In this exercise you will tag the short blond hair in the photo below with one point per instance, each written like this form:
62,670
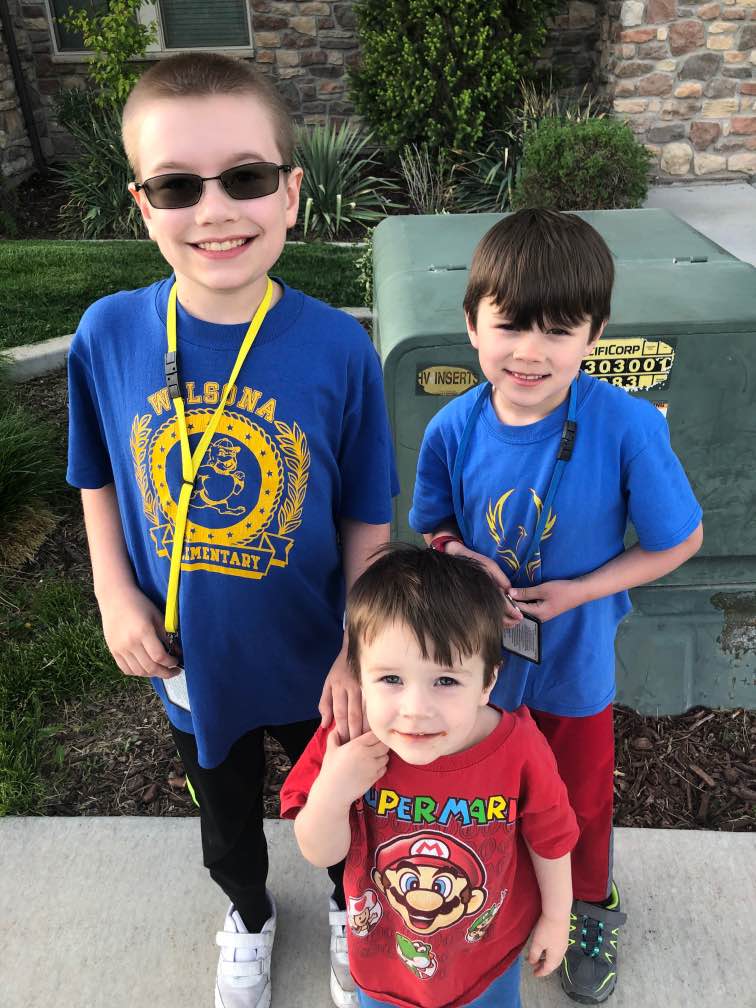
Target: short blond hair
198,75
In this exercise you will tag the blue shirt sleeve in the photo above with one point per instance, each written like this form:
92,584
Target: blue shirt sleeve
432,503
661,504
366,456
88,461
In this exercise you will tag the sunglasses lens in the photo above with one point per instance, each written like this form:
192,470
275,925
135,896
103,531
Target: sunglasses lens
250,181
171,192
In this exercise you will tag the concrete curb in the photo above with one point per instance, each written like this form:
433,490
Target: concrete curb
38,359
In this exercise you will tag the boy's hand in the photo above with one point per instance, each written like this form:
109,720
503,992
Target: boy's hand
134,632
550,599
351,768
548,944
341,699
512,613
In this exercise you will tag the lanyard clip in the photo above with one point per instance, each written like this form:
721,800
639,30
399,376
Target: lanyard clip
568,441
172,643
171,374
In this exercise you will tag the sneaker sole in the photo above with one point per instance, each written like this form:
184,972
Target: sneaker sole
264,1001
580,999
340,997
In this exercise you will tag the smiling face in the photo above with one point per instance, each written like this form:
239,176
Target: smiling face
417,708
220,249
530,370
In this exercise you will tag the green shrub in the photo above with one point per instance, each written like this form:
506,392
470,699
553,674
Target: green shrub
98,204
442,72
338,193
115,37
592,165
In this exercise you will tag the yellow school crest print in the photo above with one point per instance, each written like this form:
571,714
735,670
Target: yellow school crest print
248,493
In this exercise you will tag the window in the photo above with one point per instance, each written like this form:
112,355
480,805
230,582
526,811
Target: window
181,24
195,24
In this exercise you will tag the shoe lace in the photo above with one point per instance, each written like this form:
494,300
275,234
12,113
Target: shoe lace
591,935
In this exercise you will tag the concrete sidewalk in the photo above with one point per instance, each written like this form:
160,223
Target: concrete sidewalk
119,913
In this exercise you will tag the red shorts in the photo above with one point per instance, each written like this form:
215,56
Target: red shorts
584,751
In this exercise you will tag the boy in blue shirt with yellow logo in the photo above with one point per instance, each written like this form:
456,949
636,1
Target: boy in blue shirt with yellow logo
536,474
235,476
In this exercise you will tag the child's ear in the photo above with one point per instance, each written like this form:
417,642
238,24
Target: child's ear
471,333
293,186
488,690
594,339
140,198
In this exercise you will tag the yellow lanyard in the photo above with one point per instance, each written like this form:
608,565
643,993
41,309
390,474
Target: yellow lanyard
190,463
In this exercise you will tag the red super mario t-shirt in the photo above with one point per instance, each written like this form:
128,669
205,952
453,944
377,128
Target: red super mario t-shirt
441,894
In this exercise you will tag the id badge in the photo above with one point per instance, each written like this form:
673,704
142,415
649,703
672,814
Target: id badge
524,638
176,691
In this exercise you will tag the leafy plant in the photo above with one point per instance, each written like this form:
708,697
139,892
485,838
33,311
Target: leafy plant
338,193
485,178
429,178
596,164
116,37
98,203
540,101
441,72
364,265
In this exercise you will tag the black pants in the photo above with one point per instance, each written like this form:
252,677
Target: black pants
230,798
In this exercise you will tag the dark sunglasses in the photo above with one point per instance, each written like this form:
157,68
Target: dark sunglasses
178,190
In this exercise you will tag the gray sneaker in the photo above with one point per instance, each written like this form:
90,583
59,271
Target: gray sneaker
589,968
343,992
243,977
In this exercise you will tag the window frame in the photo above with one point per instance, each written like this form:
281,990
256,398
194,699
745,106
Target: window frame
148,14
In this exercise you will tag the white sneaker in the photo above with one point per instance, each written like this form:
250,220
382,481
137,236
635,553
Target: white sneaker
243,978
342,984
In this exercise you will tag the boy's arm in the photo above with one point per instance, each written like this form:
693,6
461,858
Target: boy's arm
322,827
636,566
341,699
132,625
550,935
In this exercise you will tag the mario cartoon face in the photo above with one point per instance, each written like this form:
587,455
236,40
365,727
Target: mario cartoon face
430,879
363,913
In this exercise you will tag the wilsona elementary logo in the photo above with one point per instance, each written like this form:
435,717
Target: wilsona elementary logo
240,520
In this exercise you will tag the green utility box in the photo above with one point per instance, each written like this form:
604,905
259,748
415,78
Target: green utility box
683,335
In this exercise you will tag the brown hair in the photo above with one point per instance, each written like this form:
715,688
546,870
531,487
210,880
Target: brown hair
450,603
545,267
198,75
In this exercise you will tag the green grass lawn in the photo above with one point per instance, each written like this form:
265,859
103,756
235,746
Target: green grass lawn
46,285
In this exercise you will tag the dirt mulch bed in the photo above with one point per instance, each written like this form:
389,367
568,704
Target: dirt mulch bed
116,756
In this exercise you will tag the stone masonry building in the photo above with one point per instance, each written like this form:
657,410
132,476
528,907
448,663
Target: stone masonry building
682,76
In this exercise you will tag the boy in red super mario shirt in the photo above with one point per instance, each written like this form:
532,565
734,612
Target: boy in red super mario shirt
453,819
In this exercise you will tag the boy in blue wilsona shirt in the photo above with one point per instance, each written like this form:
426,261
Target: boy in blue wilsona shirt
235,477
536,474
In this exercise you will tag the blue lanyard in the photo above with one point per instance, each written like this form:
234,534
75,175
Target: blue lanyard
564,453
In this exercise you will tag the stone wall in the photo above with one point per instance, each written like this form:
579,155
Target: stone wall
683,78
307,48
16,157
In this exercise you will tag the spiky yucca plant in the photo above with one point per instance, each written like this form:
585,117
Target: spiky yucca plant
338,190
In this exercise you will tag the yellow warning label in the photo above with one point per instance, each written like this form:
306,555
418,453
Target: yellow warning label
443,379
634,363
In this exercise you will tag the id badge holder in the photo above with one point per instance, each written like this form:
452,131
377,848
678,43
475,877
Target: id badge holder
524,639
176,690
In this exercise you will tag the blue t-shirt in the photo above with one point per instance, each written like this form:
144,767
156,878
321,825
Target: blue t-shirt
303,442
622,467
